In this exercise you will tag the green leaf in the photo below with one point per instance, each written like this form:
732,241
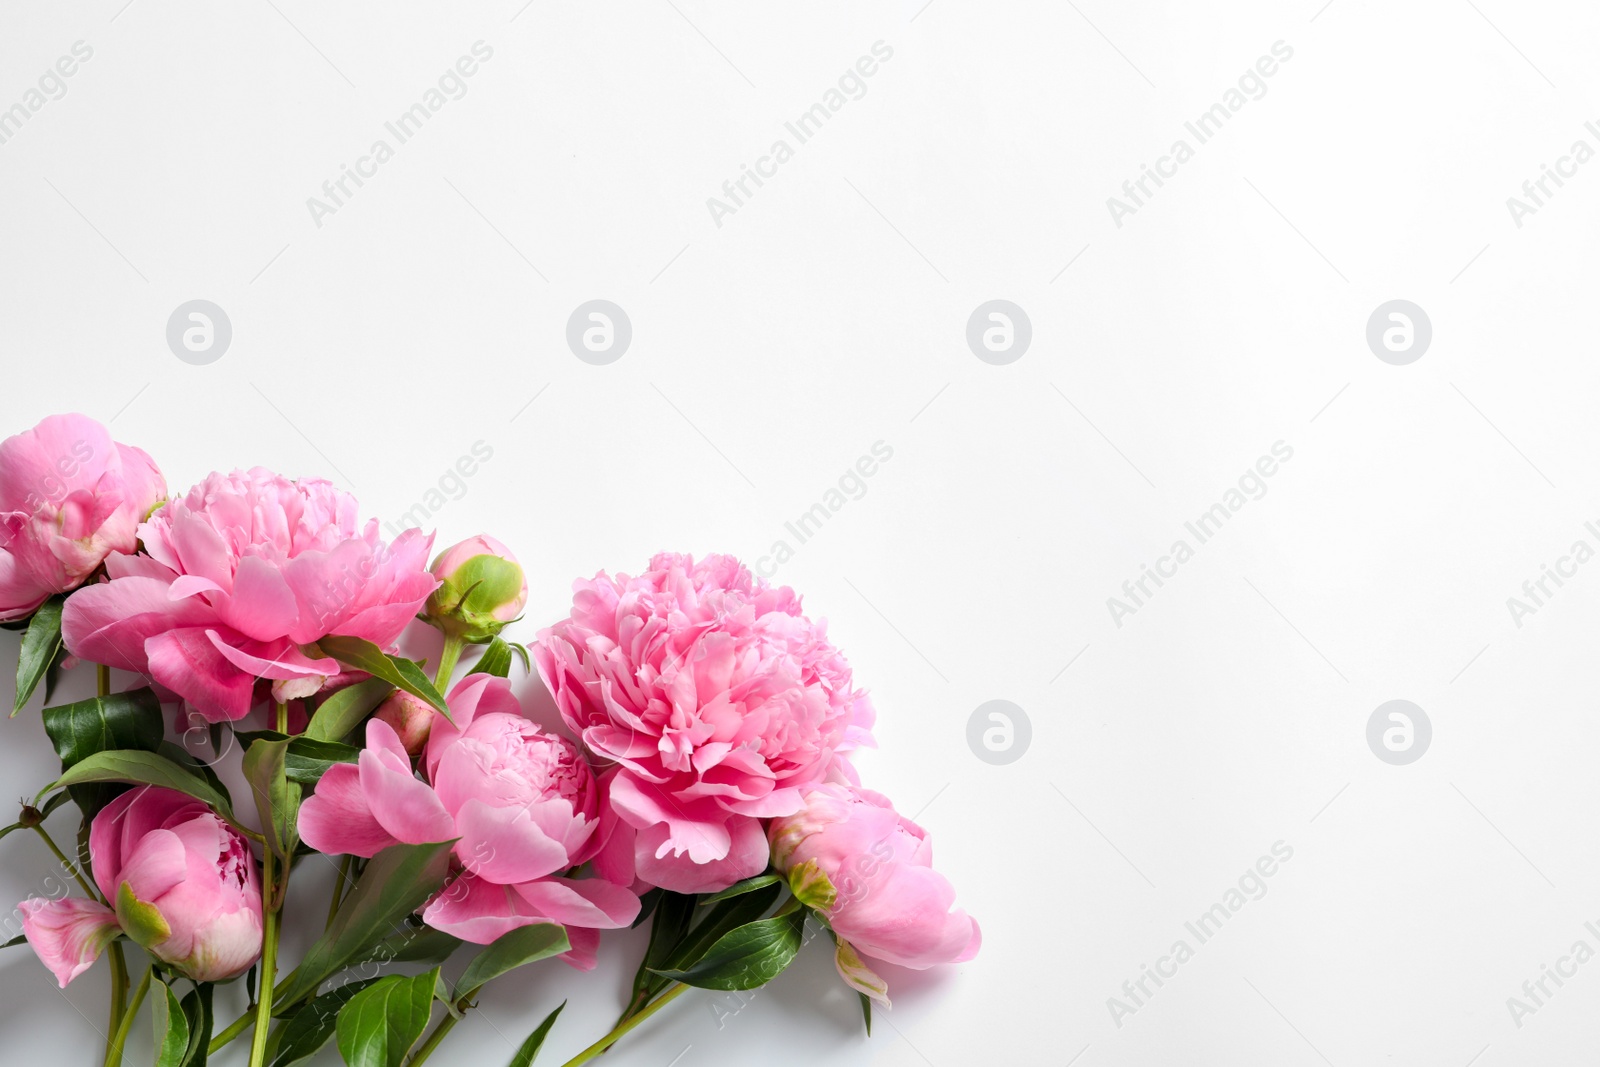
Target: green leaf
181,756
525,944
866,1011
396,882
748,957
147,768
380,1024
673,914
345,709
20,939
749,885
277,798
197,1010
307,1030
307,760
401,673
40,646
79,730
722,919
496,660
416,943
169,1026
530,1048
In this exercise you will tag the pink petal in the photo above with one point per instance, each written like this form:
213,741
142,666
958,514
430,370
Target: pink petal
658,864
278,659
336,819
506,844
110,623
68,934
187,662
157,863
407,808
478,911
697,827
591,902
261,606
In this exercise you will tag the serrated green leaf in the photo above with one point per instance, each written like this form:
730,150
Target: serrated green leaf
747,957
380,1024
147,768
277,798
169,1026
525,944
530,1048
401,673
311,1027
749,885
40,646
396,882
81,729
344,710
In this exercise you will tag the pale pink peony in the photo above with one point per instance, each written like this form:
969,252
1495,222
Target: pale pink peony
182,882
522,802
877,886
719,702
69,497
236,576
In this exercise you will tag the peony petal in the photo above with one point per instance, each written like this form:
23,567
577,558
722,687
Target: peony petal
187,662
68,934
336,819
110,623
262,605
157,863
407,808
506,844
478,911
698,827
658,865
590,902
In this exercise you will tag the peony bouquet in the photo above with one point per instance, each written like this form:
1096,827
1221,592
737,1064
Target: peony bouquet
699,778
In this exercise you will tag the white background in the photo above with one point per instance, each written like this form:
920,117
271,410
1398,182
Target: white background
829,313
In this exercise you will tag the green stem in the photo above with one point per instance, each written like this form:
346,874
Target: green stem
119,962
120,1038
269,961
626,1025
119,988
449,656
67,865
445,1026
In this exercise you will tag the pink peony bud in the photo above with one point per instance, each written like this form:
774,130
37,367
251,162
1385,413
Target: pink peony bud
868,870
183,884
482,588
69,497
410,717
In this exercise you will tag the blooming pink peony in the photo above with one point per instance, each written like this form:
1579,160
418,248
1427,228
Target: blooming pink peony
183,884
869,871
69,497
522,802
235,576
717,699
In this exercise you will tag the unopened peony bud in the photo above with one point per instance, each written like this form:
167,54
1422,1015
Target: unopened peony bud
482,589
410,717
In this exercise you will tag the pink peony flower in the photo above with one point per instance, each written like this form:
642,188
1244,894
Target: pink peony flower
869,871
69,497
717,699
522,802
183,884
235,577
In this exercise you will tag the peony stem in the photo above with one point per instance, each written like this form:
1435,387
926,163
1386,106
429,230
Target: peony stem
626,1025
269,949
66,864
438,1035
119,962
449,656
120,1038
